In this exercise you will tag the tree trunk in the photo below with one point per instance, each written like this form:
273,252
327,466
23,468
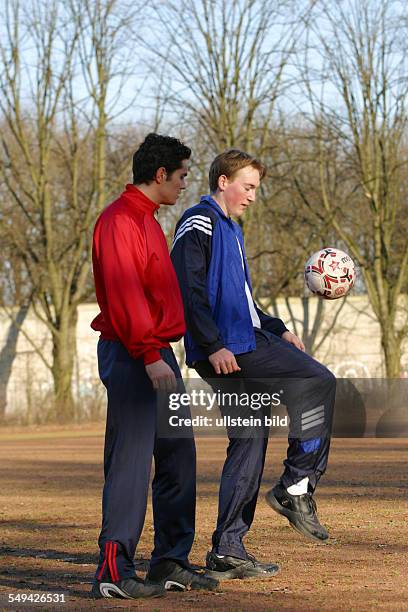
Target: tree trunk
64,349
7,356
311,331
391,346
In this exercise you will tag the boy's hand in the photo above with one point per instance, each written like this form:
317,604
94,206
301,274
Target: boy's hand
223,361
161,375
292,339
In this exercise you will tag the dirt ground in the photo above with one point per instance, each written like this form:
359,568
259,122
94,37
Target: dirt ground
50,487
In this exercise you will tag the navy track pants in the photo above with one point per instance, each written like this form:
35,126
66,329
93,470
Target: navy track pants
130,443
309,395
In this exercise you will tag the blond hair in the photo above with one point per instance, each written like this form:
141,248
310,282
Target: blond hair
229,162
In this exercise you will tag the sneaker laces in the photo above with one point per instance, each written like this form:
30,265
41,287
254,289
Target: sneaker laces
252,558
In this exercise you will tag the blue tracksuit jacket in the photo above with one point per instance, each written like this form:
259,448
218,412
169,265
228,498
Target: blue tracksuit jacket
208,264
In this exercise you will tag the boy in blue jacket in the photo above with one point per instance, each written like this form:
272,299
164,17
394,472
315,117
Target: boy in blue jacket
230,341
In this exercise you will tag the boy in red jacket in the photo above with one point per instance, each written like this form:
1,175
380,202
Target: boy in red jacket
141,313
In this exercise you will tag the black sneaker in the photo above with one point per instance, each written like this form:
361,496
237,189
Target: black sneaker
224,567
300,510
129,588
174,577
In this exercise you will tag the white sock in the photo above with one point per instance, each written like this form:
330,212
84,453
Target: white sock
300,488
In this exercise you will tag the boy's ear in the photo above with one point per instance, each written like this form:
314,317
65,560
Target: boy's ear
222,182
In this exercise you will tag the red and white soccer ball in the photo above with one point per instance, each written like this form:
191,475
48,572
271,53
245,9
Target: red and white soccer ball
330,273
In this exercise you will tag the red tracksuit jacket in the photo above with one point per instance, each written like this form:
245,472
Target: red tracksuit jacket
135,282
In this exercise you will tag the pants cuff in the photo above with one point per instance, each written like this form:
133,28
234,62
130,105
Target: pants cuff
230,551
287,480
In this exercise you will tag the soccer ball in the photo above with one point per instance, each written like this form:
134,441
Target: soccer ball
330,273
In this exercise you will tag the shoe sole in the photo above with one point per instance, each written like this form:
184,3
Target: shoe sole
292,518
239,573
112,591
174,585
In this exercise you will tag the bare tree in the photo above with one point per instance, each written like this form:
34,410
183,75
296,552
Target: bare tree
106,69
53,159
313,326
15,299
224,73
357,95
27,157
225,61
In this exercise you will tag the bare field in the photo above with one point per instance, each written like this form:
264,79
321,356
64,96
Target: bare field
51,481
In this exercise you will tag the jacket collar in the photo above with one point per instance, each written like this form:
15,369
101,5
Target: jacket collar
138,199
210,200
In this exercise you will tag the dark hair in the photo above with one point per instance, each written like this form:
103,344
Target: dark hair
229,163
158,152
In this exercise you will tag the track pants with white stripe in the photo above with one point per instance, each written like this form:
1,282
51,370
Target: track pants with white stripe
308,392
131,441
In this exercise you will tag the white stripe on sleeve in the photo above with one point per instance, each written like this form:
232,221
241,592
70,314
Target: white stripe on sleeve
189,229
200,219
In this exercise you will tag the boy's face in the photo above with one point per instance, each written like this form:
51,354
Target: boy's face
172,185
239,191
